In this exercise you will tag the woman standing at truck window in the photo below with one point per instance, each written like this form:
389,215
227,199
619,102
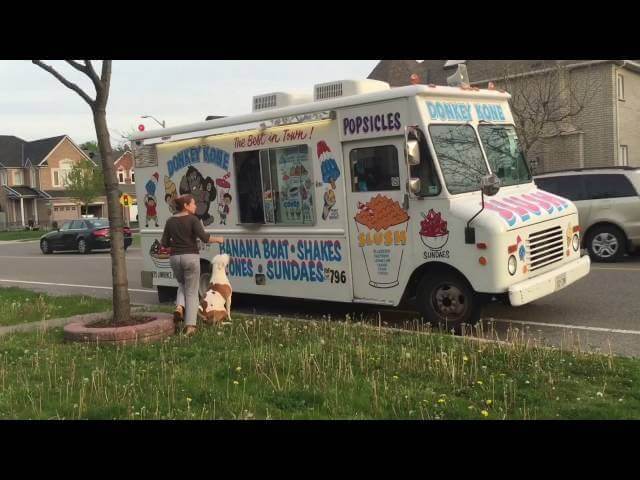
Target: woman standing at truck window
180,235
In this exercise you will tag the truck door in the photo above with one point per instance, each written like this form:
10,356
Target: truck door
377,216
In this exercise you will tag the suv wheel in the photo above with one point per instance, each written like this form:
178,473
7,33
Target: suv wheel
45,247
83,247
606,244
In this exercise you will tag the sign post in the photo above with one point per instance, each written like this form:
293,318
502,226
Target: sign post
126,201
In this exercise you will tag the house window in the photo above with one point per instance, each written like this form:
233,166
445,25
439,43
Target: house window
32,177
55,209
120,176
3,178
59,175
624,155
18,177
132,176
620,87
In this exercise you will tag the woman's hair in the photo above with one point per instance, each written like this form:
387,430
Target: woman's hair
181,201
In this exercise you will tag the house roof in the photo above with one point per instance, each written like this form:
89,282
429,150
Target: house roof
37,150
16,152
24,192
11,151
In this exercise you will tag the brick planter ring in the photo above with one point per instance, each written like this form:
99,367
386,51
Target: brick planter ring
160,327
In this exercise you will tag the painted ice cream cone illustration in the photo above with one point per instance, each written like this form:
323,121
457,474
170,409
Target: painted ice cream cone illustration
328,165
382,233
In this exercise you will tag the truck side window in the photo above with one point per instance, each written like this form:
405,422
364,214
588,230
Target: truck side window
247,166
374,169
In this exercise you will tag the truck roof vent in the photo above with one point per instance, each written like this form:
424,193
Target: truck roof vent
278,100
346,88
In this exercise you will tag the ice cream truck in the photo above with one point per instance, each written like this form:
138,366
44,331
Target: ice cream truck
365,193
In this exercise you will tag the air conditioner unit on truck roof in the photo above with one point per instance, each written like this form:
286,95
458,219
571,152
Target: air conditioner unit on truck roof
273,100
347,88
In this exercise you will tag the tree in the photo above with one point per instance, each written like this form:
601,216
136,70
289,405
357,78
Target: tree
547,102
84,183
91,146
98,105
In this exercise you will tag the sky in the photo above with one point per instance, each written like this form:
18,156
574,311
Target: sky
33,104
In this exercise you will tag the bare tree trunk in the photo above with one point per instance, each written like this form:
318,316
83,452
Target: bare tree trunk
121,301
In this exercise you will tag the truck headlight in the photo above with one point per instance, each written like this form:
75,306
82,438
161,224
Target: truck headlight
512,265
575,243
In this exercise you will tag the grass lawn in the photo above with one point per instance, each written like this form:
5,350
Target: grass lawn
265,368
22,235
22,306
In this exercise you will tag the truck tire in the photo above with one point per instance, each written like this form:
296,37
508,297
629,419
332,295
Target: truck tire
606,243
446,300
167,294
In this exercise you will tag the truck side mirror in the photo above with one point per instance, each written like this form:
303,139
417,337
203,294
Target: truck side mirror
490,185
414,185
413,152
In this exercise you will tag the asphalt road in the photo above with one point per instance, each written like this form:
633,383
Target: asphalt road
601,311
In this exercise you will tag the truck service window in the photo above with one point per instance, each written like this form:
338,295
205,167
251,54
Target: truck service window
275,186
247,166
375,169
506,160
460,157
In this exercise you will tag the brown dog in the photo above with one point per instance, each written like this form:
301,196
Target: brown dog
212,308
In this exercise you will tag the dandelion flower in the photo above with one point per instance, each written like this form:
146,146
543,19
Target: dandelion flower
465,359
441,400
408,355
188,399
479,382
527,382
600,394
395,377
235,382
238,369
484,413
489,402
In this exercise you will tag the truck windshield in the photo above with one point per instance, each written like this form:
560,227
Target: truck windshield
505,158
460,156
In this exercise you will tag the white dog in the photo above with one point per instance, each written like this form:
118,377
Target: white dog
220,282
212,308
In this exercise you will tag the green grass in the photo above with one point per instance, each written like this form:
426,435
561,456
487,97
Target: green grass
21,235
22,306
265,368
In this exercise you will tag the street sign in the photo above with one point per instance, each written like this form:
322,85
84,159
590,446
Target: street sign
126,200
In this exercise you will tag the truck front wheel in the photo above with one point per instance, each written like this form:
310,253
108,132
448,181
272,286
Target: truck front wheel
447,300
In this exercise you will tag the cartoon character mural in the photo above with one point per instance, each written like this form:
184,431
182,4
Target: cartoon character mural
170,193
150,202
224,202
203,190
330,173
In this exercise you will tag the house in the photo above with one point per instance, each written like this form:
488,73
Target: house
125,173
32,178
606,132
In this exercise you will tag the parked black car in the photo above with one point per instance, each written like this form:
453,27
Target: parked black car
81,235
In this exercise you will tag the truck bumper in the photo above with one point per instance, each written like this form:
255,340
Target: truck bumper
550,282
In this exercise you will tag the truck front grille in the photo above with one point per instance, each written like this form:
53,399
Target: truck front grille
545,247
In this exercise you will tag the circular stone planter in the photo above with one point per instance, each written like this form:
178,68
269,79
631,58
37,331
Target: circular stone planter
160,326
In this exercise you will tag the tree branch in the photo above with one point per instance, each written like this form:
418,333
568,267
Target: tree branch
77,66
92,73
65,82
105,79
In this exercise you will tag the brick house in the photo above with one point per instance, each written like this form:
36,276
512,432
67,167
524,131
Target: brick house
32,176
125,172
605,133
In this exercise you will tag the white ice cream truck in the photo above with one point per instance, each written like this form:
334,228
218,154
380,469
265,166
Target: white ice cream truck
364,193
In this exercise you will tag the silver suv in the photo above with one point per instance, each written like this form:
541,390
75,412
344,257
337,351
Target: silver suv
608,207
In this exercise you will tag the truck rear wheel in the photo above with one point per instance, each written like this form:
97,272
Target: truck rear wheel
167,294
447,300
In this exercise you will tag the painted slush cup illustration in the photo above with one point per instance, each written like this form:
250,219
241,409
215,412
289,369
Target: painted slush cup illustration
203,191
150,203
382,246
330,173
